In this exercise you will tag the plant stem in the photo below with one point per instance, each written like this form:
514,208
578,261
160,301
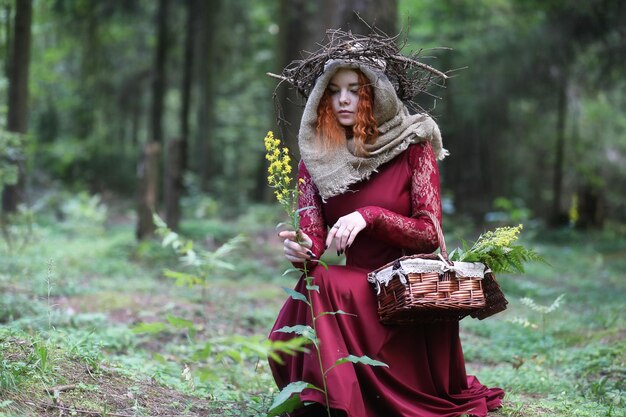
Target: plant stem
309,281
49,285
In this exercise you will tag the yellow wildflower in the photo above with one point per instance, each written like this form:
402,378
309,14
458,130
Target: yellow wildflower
279,171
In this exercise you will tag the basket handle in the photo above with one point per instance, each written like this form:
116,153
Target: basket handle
440,238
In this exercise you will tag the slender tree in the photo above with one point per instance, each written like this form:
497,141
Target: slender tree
191,6
207,163
300,28
18,94
149,167
7,37
159,76
178,148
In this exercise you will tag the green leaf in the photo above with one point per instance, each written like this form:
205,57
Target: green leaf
289,347
224,265
230,246
313,288
182,278
296,295
150,328
291,270
203,351
304,208
365,360
288,399
335,313
301,329
158,221
324,264
179,322
5,403
169,239
233,354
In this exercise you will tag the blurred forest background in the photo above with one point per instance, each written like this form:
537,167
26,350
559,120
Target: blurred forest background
534,119
113,109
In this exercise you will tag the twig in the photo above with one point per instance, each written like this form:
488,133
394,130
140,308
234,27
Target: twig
60,388
90,374
422,65
77,410
280,77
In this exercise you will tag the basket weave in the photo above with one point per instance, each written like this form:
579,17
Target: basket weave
431,288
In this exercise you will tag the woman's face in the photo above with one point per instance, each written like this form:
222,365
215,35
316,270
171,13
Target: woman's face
344,93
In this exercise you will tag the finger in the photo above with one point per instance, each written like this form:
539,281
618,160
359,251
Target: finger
353,235
306,241
339,237
295,256
331,235
287,234
293,236
345,236
295,249
291,258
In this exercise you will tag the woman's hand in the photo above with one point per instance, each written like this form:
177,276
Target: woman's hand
344,231
294,251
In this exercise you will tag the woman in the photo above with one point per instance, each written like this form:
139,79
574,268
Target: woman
367,167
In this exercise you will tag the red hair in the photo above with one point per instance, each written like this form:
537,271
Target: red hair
364,130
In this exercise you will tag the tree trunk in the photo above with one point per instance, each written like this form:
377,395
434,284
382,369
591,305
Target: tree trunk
590,207
206,162
8,37
135,120
557,217
300,28
345,14
148,171
186,84
178,149
18,95
147,189
174,183
158,80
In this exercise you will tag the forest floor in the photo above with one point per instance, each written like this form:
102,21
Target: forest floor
90,324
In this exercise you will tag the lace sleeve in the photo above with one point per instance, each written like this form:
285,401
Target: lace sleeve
311,220
416,234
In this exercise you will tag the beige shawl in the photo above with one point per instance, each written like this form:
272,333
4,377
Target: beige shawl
335,170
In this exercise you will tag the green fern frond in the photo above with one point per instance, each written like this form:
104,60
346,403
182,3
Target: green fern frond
495,249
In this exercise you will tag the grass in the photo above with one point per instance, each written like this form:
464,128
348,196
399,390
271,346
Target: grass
570,361
83,305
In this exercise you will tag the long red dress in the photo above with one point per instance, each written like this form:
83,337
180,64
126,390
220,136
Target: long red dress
426,374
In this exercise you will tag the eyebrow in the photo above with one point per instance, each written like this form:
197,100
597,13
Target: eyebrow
349,85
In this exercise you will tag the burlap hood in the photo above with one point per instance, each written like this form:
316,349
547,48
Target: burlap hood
334,171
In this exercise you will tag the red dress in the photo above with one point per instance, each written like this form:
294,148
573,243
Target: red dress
426,374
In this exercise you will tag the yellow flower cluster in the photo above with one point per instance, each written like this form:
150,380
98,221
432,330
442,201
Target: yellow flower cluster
279,173
501,237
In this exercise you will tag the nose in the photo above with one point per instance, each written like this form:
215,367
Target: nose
344,97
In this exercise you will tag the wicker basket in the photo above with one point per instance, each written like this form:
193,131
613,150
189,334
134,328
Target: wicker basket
428,287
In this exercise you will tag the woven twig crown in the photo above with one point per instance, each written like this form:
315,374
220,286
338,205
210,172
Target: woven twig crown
377,50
